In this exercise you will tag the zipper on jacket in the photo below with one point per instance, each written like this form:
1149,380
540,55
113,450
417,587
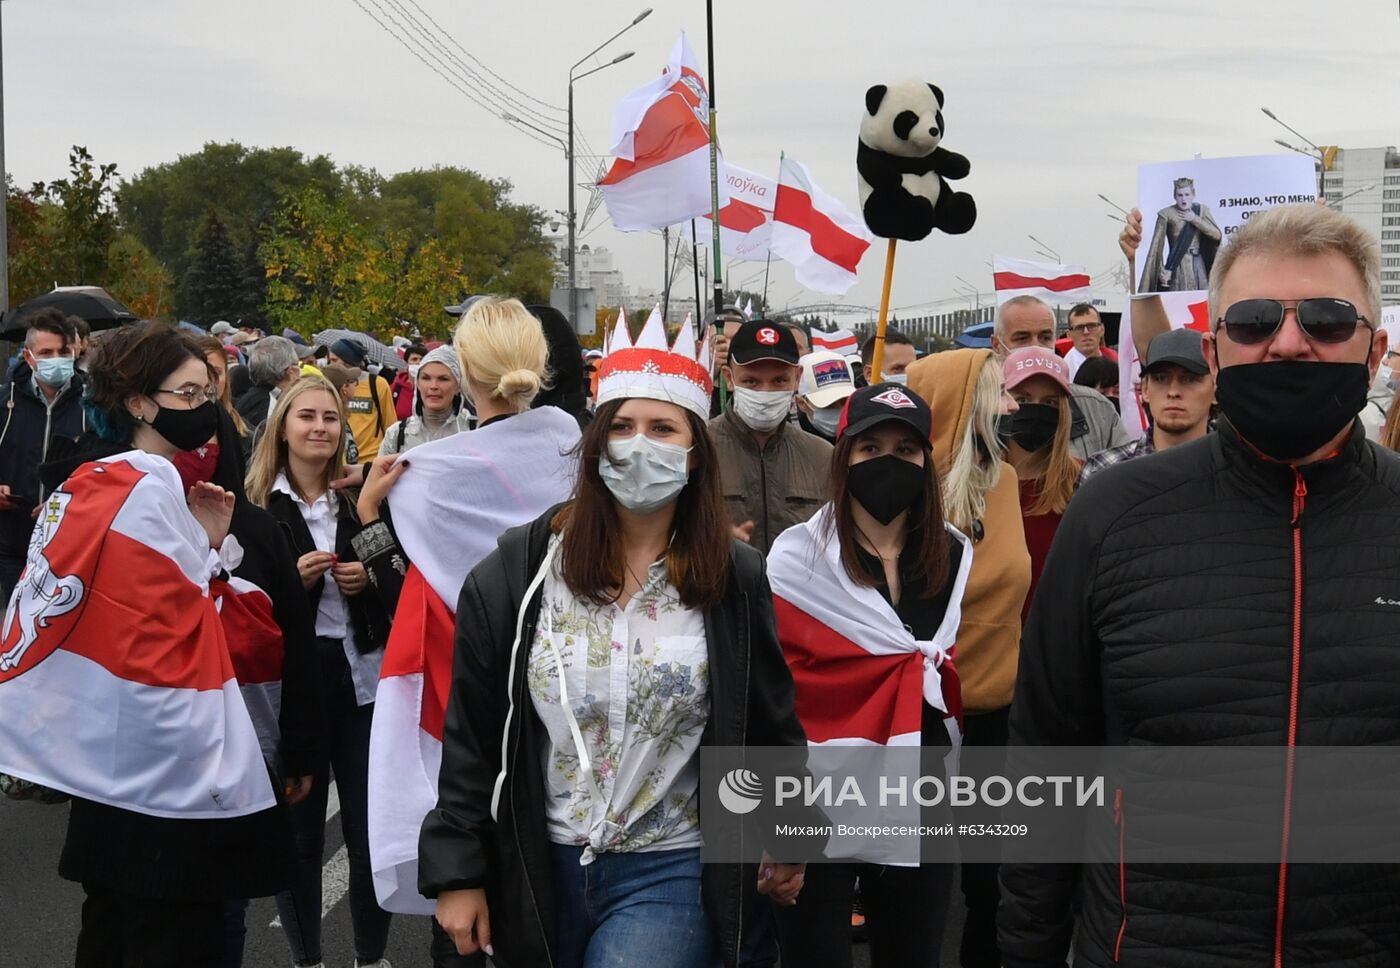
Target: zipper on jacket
1300,496
9,415
1121,824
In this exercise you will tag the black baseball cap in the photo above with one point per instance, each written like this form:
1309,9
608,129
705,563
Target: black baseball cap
880,402
1179,346
763,341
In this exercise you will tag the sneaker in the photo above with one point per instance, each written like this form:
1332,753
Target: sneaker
381,963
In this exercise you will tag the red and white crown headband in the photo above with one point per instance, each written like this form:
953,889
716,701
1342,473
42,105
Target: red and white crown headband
649,368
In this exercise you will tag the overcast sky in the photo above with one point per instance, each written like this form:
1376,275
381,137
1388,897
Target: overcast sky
1052,100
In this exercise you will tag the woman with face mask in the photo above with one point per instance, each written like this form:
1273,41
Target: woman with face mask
298,455
1036,429
598,649
868,602
174,807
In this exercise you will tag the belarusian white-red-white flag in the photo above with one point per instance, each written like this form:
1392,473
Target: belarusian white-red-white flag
841,341
823,241
746,222
116,683
661,143
861,677
1049,281
465,491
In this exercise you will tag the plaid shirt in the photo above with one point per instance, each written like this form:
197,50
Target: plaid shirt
1116,455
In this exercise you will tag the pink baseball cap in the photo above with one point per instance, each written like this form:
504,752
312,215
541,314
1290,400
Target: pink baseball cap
1031,361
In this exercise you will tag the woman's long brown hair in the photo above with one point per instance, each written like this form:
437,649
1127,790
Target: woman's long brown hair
926,516
1061,475
698,560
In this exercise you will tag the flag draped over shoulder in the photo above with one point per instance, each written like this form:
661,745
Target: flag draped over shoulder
816,233
661,146
257,649
1049,281
861,677
116,683
460,494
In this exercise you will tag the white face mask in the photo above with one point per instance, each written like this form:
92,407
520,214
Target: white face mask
762,410
644,474
827,419
900,378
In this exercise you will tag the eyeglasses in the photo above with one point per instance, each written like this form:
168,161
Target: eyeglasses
1323,319
194,396
1084,329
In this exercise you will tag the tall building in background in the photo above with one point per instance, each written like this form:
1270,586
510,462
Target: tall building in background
1365,184
593,269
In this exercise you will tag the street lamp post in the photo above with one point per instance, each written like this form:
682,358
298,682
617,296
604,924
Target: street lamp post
1048,251
569,150
1320,157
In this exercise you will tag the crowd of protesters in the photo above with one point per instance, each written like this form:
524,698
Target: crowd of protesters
620,545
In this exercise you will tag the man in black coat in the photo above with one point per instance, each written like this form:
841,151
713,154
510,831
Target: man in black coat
42,400
1234,591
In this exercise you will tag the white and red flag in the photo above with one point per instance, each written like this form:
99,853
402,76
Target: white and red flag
861,677
1049,281
746,222
823,241
116,683
465,491
257,649
661,146
841,341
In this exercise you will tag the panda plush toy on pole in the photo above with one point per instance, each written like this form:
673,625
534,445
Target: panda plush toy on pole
902,169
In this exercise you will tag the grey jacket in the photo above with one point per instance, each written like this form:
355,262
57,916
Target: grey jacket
781,485
1097,424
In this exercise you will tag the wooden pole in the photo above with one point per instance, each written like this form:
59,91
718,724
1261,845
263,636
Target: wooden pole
882,324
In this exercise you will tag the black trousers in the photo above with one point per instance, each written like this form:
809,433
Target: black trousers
981,892
906,909
120,931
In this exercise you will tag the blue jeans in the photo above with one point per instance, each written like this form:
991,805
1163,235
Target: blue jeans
631,909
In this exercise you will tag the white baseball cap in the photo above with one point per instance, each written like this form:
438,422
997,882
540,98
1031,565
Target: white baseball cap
826,378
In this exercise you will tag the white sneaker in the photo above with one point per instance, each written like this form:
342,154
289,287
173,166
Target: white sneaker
381,963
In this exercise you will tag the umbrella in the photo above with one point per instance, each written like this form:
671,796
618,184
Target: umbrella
89,303
978,336
375,351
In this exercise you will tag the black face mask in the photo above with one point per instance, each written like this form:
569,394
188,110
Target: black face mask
1032,427
886,486
1289,408
187,429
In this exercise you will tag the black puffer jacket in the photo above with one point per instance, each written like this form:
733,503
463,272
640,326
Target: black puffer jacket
462,846
1166,617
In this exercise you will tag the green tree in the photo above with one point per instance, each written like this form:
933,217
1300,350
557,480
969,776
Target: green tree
167,205
213,284
80,219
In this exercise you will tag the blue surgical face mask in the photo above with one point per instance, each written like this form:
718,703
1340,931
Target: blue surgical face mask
644,474
54,371
902,379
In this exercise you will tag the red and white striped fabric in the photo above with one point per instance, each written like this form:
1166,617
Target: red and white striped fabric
1050,281
823,241
257,649
116,683
661,146
861,678
472,487
746,222
841,341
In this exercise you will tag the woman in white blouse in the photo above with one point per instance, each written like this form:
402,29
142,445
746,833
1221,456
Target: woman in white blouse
598,649
299,454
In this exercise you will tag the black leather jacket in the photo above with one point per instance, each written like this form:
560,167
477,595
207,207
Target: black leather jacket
462,846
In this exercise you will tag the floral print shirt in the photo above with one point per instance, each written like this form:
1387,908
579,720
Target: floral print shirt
636,680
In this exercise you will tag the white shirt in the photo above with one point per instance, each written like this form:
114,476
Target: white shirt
637,682
333,612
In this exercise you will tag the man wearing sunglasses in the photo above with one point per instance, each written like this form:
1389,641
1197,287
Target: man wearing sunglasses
1242,589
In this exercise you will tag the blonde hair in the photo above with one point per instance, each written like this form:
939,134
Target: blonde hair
1390,430
1057,482
501,345
976,465
270,456
1303,230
